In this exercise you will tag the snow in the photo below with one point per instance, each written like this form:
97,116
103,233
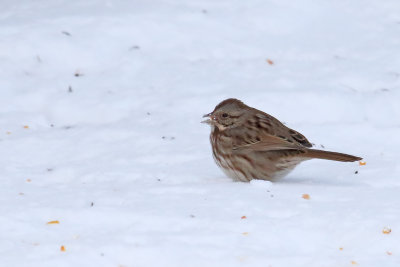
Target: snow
123,163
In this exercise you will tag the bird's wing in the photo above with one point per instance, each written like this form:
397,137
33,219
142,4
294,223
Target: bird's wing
274,135
269,143
273,126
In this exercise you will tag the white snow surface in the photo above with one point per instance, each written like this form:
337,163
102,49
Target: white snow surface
122,162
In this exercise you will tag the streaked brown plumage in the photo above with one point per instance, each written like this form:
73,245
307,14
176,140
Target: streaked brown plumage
250,144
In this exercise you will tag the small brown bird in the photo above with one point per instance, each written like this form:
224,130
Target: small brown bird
250,144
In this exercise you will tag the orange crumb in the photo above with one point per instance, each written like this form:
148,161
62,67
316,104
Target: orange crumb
354,263
242,259
245,233
306,196
362,163
53,222
270,62
26,126
340,248
386,230
62,249
243,217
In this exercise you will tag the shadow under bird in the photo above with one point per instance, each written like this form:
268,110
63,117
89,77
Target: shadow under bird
250,144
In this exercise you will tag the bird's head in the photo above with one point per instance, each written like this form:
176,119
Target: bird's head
228,114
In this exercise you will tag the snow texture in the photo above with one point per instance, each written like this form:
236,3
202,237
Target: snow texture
100,110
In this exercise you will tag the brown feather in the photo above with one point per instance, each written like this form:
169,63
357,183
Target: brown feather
269,143
321,154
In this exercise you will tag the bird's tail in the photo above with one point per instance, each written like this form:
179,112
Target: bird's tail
321,154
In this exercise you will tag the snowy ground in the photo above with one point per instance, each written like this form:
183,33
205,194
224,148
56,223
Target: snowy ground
100,104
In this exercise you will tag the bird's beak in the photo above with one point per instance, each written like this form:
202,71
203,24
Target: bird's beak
209,120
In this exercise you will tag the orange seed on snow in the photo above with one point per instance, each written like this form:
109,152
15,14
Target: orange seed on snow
26,127
270,62
243,217
306,196
362,163
62,249
53,222
386,230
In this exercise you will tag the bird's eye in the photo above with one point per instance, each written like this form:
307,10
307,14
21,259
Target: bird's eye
224,115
